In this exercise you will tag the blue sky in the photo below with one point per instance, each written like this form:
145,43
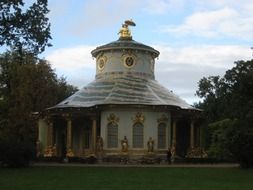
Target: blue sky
196,38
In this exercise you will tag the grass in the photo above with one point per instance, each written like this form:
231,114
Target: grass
85,178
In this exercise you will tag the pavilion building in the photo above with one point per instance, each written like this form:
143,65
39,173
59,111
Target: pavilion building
124,111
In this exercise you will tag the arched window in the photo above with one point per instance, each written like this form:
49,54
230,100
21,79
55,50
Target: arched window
112,135
137,135
161,136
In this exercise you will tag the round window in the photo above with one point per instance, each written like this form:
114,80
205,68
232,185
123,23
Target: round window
101,64
129,61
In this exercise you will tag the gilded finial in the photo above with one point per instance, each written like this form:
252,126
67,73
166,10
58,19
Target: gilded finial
125,32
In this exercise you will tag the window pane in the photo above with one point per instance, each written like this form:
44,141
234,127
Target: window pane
161,136
138,135
112,135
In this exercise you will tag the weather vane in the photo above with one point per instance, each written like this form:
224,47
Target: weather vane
125,32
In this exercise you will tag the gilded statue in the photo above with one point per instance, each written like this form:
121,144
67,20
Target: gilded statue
150,144
99,144
124,144
125,32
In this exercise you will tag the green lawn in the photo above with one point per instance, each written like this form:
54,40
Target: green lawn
85,178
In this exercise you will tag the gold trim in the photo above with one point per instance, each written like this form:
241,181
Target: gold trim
162,119
50,151
129,61
139,118
70,153
113,119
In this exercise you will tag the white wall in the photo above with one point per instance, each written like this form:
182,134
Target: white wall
125,125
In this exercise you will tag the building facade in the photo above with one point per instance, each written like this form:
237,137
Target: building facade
124,111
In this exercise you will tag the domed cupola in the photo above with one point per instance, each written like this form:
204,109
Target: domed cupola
125,56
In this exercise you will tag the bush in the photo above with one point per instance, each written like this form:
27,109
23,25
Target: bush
16,153
241,147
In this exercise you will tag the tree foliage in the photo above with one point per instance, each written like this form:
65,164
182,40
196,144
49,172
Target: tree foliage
23,27
230,98
27,85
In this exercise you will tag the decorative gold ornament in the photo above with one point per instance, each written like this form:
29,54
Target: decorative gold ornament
48,152
129,59
70,153
113,119
101,63
139,118
162,119
125,33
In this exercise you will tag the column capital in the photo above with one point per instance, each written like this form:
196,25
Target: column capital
67,116
48,120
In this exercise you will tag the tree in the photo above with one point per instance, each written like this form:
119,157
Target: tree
220,133
24,28
27,85
230,98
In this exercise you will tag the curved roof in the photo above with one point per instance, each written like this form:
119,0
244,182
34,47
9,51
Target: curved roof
123,90
124,44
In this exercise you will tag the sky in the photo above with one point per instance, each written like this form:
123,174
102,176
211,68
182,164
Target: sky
195,38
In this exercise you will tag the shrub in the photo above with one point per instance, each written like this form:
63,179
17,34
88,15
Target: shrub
241,147
16,153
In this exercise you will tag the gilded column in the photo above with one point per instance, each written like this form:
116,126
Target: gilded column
48,152
192,135
41,144
94,134
69,138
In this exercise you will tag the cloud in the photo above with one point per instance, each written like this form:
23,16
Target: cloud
226,22
180,69
75,63
203,55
